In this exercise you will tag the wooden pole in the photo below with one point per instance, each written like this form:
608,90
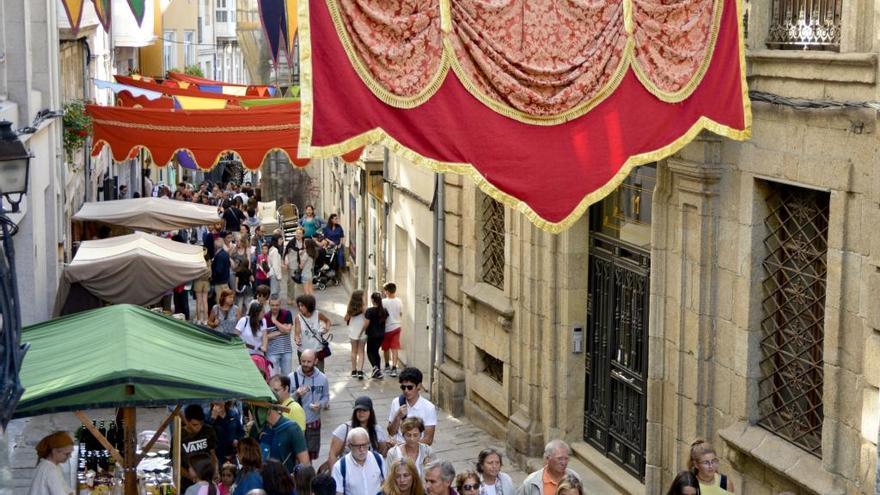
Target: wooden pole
129,416
175,452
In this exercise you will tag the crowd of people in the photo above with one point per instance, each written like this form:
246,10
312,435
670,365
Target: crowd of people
233,448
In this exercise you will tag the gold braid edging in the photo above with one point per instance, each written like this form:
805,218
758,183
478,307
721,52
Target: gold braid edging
688,89
378,90
200,130
102,143
379,136
557,118
304,31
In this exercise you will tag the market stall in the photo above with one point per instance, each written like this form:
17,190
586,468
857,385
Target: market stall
136,269
148,214
125,357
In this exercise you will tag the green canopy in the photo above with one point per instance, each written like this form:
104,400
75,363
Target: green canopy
125,355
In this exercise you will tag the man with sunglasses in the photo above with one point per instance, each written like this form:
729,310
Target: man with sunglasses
410,403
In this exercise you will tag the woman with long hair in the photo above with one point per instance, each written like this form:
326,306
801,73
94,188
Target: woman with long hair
374,327
354,318
241,266
276,481
302,478
276,270
250,460
291,263
203,471
686,483
252,330
334,233
704,464
363,416
307,265
224,314
494,481
403,479
570,485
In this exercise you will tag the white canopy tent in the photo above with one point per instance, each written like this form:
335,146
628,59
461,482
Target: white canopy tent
149,214
136,269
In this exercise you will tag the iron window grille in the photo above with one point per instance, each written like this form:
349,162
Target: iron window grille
492,242
790,400
805,24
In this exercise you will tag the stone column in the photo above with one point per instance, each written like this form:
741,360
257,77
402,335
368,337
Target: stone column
450,393
684,298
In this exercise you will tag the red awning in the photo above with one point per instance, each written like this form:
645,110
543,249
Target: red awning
206,134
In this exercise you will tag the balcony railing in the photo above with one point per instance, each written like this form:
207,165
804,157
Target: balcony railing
805,24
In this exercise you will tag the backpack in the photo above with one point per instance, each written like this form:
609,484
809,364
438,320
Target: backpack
298,399
378,461
723,482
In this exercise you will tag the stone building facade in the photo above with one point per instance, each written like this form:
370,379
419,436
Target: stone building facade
727,293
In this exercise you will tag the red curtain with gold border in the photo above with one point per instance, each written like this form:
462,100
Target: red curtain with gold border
546,105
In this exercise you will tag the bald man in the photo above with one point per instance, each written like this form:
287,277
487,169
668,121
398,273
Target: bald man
311,390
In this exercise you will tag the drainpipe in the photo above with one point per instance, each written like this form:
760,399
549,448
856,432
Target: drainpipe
87,148
386,207
438,291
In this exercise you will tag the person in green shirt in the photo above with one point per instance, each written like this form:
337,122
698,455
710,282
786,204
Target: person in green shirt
283,440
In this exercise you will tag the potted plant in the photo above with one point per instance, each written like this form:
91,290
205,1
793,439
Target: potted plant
77,126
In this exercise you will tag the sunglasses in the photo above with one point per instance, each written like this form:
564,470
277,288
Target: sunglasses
407,387
475,486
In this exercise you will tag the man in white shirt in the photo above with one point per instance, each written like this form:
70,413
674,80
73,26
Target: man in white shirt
391,341
361,471
411,403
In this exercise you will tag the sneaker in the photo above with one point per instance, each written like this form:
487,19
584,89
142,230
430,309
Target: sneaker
387,368
360,375
354,373
377,374
393,371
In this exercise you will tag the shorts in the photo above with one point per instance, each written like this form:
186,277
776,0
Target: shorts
391,340
201,286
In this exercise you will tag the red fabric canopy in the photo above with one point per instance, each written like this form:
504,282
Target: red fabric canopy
206,134
547,107
252,89
169,90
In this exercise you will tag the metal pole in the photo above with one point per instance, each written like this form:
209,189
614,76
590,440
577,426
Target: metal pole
10,309
438,290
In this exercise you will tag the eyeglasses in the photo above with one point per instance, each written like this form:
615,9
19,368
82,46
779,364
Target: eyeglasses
475,486
407,387
713,462
363,446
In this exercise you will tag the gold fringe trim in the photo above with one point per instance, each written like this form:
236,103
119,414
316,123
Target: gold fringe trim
200,130
102,144
378,90
379,136
304,32
688,89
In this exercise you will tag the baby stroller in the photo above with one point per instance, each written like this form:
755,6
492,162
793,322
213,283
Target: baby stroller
326,274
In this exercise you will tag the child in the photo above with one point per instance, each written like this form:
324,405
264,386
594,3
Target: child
201,468
391,342
227,478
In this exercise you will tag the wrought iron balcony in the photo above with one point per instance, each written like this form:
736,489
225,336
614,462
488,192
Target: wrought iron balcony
805,24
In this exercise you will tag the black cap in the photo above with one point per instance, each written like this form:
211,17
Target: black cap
363,403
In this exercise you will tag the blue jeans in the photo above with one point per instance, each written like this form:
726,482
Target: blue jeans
281,363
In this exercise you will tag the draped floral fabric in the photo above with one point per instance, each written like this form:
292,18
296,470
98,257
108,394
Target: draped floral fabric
642,76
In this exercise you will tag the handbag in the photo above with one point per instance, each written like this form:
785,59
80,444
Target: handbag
297,276
325,351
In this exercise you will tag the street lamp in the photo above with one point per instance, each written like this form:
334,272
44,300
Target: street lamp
14,163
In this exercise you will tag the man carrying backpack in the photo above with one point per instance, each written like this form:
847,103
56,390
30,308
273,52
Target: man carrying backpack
361,471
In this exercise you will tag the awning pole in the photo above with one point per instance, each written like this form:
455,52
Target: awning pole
129,417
